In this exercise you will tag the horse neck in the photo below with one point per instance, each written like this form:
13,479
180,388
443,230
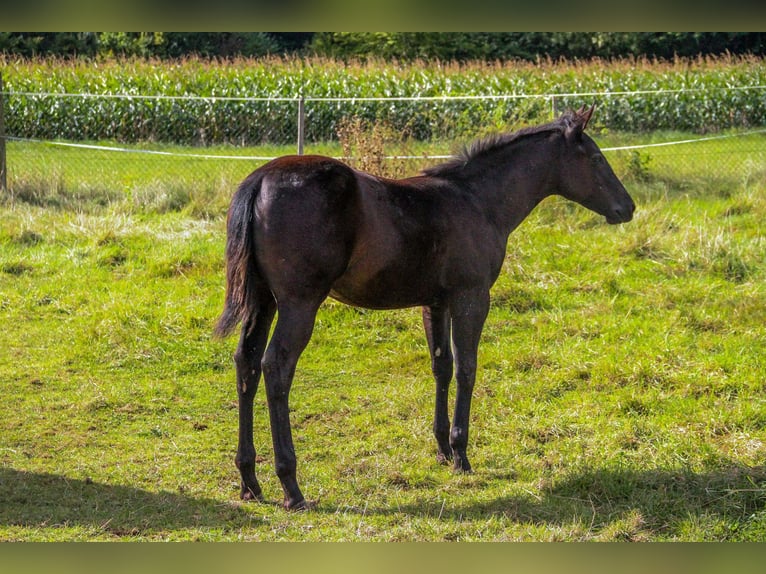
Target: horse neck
513,179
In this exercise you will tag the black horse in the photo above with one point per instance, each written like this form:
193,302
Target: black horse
302,228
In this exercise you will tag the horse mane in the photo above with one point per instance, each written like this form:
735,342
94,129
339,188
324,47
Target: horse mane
493,142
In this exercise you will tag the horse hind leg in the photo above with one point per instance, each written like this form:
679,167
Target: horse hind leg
247,358
293,330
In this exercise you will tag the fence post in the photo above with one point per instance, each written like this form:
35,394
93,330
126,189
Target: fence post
301,123
3,168
553,107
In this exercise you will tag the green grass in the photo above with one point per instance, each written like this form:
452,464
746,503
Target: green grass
620,393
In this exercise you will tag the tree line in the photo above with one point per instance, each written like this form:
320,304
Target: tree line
405,46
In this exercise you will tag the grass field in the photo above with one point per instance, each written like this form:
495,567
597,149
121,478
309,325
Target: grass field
620,393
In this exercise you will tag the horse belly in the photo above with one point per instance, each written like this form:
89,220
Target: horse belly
394,286
395,261
376,296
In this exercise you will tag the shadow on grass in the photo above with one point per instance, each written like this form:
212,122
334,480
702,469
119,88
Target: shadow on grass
731,496
38,500
597,498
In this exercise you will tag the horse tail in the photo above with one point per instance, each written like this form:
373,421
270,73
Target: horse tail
242,275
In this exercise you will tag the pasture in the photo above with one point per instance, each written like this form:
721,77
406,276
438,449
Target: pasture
619,395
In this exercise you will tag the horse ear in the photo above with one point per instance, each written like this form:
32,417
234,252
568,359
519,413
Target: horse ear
575,128
584,115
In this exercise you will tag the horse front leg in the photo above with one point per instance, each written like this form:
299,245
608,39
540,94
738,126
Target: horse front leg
247,359
436,322
469,311
295,324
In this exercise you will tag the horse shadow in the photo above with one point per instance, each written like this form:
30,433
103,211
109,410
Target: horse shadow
596,497
32,499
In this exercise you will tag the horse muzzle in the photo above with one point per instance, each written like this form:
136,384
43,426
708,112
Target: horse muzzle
621,213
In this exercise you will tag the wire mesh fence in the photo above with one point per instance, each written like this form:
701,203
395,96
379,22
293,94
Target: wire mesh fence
254,121
111,144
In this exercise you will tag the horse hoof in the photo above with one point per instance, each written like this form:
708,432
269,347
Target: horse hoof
302,505
462,465
248,495
443,459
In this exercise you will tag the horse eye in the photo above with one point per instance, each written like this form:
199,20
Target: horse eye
597,159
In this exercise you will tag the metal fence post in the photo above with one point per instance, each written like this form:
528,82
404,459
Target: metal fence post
3,168
301,123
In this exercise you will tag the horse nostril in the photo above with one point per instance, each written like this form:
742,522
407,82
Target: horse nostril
623,214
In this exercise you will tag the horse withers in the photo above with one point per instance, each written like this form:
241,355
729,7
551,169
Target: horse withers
302,228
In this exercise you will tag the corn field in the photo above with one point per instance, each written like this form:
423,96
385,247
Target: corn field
182,115
255,102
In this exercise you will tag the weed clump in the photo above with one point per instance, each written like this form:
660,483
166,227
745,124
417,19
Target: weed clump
365,147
